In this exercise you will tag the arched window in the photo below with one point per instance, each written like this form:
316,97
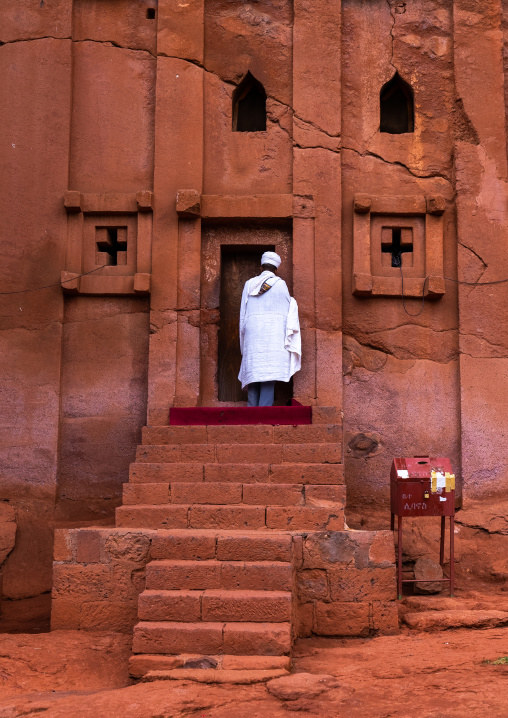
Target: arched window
249,106
397,107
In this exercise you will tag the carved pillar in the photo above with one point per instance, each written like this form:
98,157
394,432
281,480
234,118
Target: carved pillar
174,342
316,173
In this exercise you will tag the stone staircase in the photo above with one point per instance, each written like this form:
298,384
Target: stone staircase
224,501
236,477
222,598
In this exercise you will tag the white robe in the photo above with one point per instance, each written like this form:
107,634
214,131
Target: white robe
270,345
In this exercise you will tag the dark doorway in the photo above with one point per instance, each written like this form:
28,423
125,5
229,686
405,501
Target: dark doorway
238,264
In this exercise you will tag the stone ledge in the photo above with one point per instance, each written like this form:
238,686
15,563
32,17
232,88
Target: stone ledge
212,675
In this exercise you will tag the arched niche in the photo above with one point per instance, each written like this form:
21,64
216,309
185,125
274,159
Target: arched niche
249,106
397,107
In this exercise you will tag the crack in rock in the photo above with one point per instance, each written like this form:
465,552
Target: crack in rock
414,173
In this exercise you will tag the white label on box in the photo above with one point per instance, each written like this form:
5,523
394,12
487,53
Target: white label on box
442,498
403,474
440,480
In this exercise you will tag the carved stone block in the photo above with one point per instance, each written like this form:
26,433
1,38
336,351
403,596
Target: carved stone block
70,282
142,283
436,204
144,200
363,203
72,201
303,206
188,203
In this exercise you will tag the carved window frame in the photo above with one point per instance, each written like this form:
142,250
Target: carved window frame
365,281
85,212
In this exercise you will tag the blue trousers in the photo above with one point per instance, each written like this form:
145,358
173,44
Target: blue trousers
260,393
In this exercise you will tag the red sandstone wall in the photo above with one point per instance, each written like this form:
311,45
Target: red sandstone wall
103,402
73,370
401,373
36,85
482,201
240,37
105,340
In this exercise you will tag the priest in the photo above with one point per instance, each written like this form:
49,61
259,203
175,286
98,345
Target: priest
270,340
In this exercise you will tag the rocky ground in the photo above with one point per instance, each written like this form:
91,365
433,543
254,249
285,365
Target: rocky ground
449,660
423,674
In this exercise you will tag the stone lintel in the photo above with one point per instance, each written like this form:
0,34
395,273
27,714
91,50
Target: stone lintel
409,204
264,205
108,203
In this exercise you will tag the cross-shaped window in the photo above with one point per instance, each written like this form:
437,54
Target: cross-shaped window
395,241
111,245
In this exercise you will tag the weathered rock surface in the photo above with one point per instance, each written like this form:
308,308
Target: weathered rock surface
63,661
426,569
441,620
92,681
491,516
7,530
471,602
28,615
301,685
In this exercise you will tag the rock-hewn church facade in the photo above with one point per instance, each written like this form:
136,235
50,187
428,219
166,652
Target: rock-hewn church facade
152,151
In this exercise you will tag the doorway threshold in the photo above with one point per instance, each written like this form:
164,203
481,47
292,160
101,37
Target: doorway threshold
231,415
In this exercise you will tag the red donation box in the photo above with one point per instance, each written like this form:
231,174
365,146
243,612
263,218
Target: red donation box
422,486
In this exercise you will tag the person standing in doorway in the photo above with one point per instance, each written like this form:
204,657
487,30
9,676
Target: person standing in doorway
270,340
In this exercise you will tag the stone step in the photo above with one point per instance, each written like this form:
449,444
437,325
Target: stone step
176,605
309,453
242,434
140,664
176,453
174,435
196,516
182,493
245,639
142,473
288,473
215,605
221,493
227,546
147,494
444,620
302,518
171,575
211,516
301,472
246,605
211,675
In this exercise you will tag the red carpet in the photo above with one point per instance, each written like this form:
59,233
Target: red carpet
210,416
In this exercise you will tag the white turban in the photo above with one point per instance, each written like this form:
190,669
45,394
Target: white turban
271,258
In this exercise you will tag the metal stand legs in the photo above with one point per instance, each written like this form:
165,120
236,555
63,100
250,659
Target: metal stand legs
450,579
